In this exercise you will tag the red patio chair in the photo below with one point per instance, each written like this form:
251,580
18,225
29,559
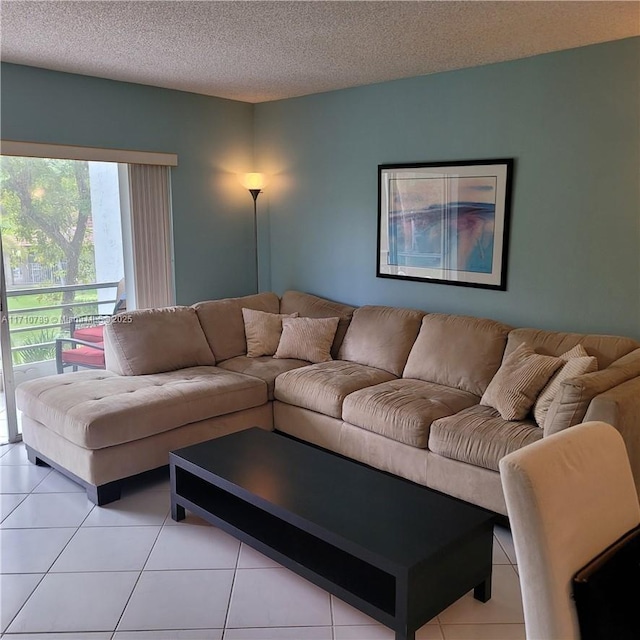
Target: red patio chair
86,339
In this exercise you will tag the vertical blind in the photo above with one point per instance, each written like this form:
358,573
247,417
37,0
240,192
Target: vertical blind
151,235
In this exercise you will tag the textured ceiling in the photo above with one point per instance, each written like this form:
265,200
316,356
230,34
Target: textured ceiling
257,51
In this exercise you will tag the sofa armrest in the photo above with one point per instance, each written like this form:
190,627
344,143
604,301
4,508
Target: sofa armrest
572,401
620,407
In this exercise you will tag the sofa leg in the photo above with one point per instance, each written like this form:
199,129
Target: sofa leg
32,457
104,493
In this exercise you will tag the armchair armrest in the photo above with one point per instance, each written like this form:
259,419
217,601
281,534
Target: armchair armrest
620,407
75,341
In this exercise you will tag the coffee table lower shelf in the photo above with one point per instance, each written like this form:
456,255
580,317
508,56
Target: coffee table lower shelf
388,594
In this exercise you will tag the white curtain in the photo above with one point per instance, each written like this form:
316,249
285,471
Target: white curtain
150,205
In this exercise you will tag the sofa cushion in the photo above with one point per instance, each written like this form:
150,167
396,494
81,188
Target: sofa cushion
263,331
323,387
223,325
381,337
310,306
519,380
97,409
307,339
403,410
576,362
480,436
457,351
264,367
572,401
155,340
606,349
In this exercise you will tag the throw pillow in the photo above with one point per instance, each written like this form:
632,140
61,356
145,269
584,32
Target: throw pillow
519,380
263,331
307,338
576,362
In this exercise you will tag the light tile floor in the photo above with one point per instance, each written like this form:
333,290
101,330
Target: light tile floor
73,571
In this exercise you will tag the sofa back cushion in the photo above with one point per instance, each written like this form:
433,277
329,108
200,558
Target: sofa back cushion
223,325
606,349
310,306
155,340
381,337
457,351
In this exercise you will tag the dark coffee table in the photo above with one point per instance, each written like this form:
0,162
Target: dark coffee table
397,551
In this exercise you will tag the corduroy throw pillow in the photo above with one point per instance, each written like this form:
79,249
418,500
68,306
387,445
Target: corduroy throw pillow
307,338
263,331
576,362
518,381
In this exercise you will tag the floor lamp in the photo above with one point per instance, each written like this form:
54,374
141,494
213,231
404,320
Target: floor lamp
254,182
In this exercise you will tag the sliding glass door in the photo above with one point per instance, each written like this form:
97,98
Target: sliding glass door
61,233
81,238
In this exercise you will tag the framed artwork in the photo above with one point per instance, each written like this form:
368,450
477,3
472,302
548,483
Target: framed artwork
445,222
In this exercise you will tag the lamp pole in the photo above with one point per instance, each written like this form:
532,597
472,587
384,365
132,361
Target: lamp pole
254,194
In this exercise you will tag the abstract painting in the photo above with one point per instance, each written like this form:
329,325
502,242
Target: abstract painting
445,222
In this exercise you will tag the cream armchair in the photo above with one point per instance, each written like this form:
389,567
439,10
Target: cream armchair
569,497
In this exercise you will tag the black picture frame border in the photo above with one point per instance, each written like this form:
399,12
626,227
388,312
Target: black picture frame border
509,165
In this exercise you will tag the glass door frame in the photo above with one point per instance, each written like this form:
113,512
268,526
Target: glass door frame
7,360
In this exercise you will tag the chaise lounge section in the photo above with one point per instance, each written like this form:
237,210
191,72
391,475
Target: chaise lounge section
402,390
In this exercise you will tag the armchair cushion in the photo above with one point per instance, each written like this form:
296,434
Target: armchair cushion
90,334
85,356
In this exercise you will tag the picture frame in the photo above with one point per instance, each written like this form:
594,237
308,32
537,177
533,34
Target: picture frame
445,222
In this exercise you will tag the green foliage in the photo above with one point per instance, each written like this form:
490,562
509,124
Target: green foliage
39,351
46,208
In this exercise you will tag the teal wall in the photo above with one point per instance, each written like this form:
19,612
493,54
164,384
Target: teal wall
212,213
570,120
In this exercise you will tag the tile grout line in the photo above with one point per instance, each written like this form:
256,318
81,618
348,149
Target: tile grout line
135,584
166,522
504,550
25,602
24,497
233,582
333,627
46,573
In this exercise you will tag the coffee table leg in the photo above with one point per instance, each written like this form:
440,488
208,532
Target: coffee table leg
483,591
177,512
405,634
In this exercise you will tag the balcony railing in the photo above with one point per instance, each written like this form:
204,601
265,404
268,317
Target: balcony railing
40,318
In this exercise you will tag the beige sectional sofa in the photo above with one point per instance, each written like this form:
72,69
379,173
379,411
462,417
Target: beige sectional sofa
402,393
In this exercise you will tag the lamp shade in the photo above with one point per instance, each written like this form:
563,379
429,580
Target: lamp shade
253,181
